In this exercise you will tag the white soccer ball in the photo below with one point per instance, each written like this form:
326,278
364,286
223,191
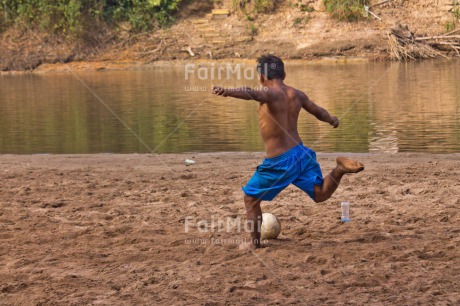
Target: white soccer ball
271,227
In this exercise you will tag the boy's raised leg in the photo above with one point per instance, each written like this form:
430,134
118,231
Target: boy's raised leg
332,181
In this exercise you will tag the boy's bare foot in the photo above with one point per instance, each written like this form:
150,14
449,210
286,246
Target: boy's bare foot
348,165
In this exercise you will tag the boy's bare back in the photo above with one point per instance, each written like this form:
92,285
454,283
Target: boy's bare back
279,108
278,120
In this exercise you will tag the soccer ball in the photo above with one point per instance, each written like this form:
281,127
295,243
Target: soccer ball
270,228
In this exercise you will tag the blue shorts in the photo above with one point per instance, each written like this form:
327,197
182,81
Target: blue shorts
298,166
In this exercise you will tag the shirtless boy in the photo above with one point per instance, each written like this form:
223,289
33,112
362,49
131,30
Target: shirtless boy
288,161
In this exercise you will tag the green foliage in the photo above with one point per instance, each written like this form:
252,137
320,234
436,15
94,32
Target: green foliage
305,7
346,10
300,21
3,16
455,11
248,17
297,21
254,6
450,26
144,14
264,6
217,2
55,15
70,17
253,29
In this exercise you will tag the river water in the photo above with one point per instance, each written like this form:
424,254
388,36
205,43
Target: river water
383,107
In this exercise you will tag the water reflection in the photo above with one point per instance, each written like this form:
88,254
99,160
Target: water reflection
383,107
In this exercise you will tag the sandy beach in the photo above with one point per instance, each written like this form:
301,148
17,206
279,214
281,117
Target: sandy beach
114,229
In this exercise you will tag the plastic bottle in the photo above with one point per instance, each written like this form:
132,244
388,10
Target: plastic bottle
345,212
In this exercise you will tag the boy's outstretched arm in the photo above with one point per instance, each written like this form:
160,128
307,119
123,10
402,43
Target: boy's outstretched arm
244,93
319,112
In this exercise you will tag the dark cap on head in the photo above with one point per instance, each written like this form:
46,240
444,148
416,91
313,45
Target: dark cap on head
272,67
